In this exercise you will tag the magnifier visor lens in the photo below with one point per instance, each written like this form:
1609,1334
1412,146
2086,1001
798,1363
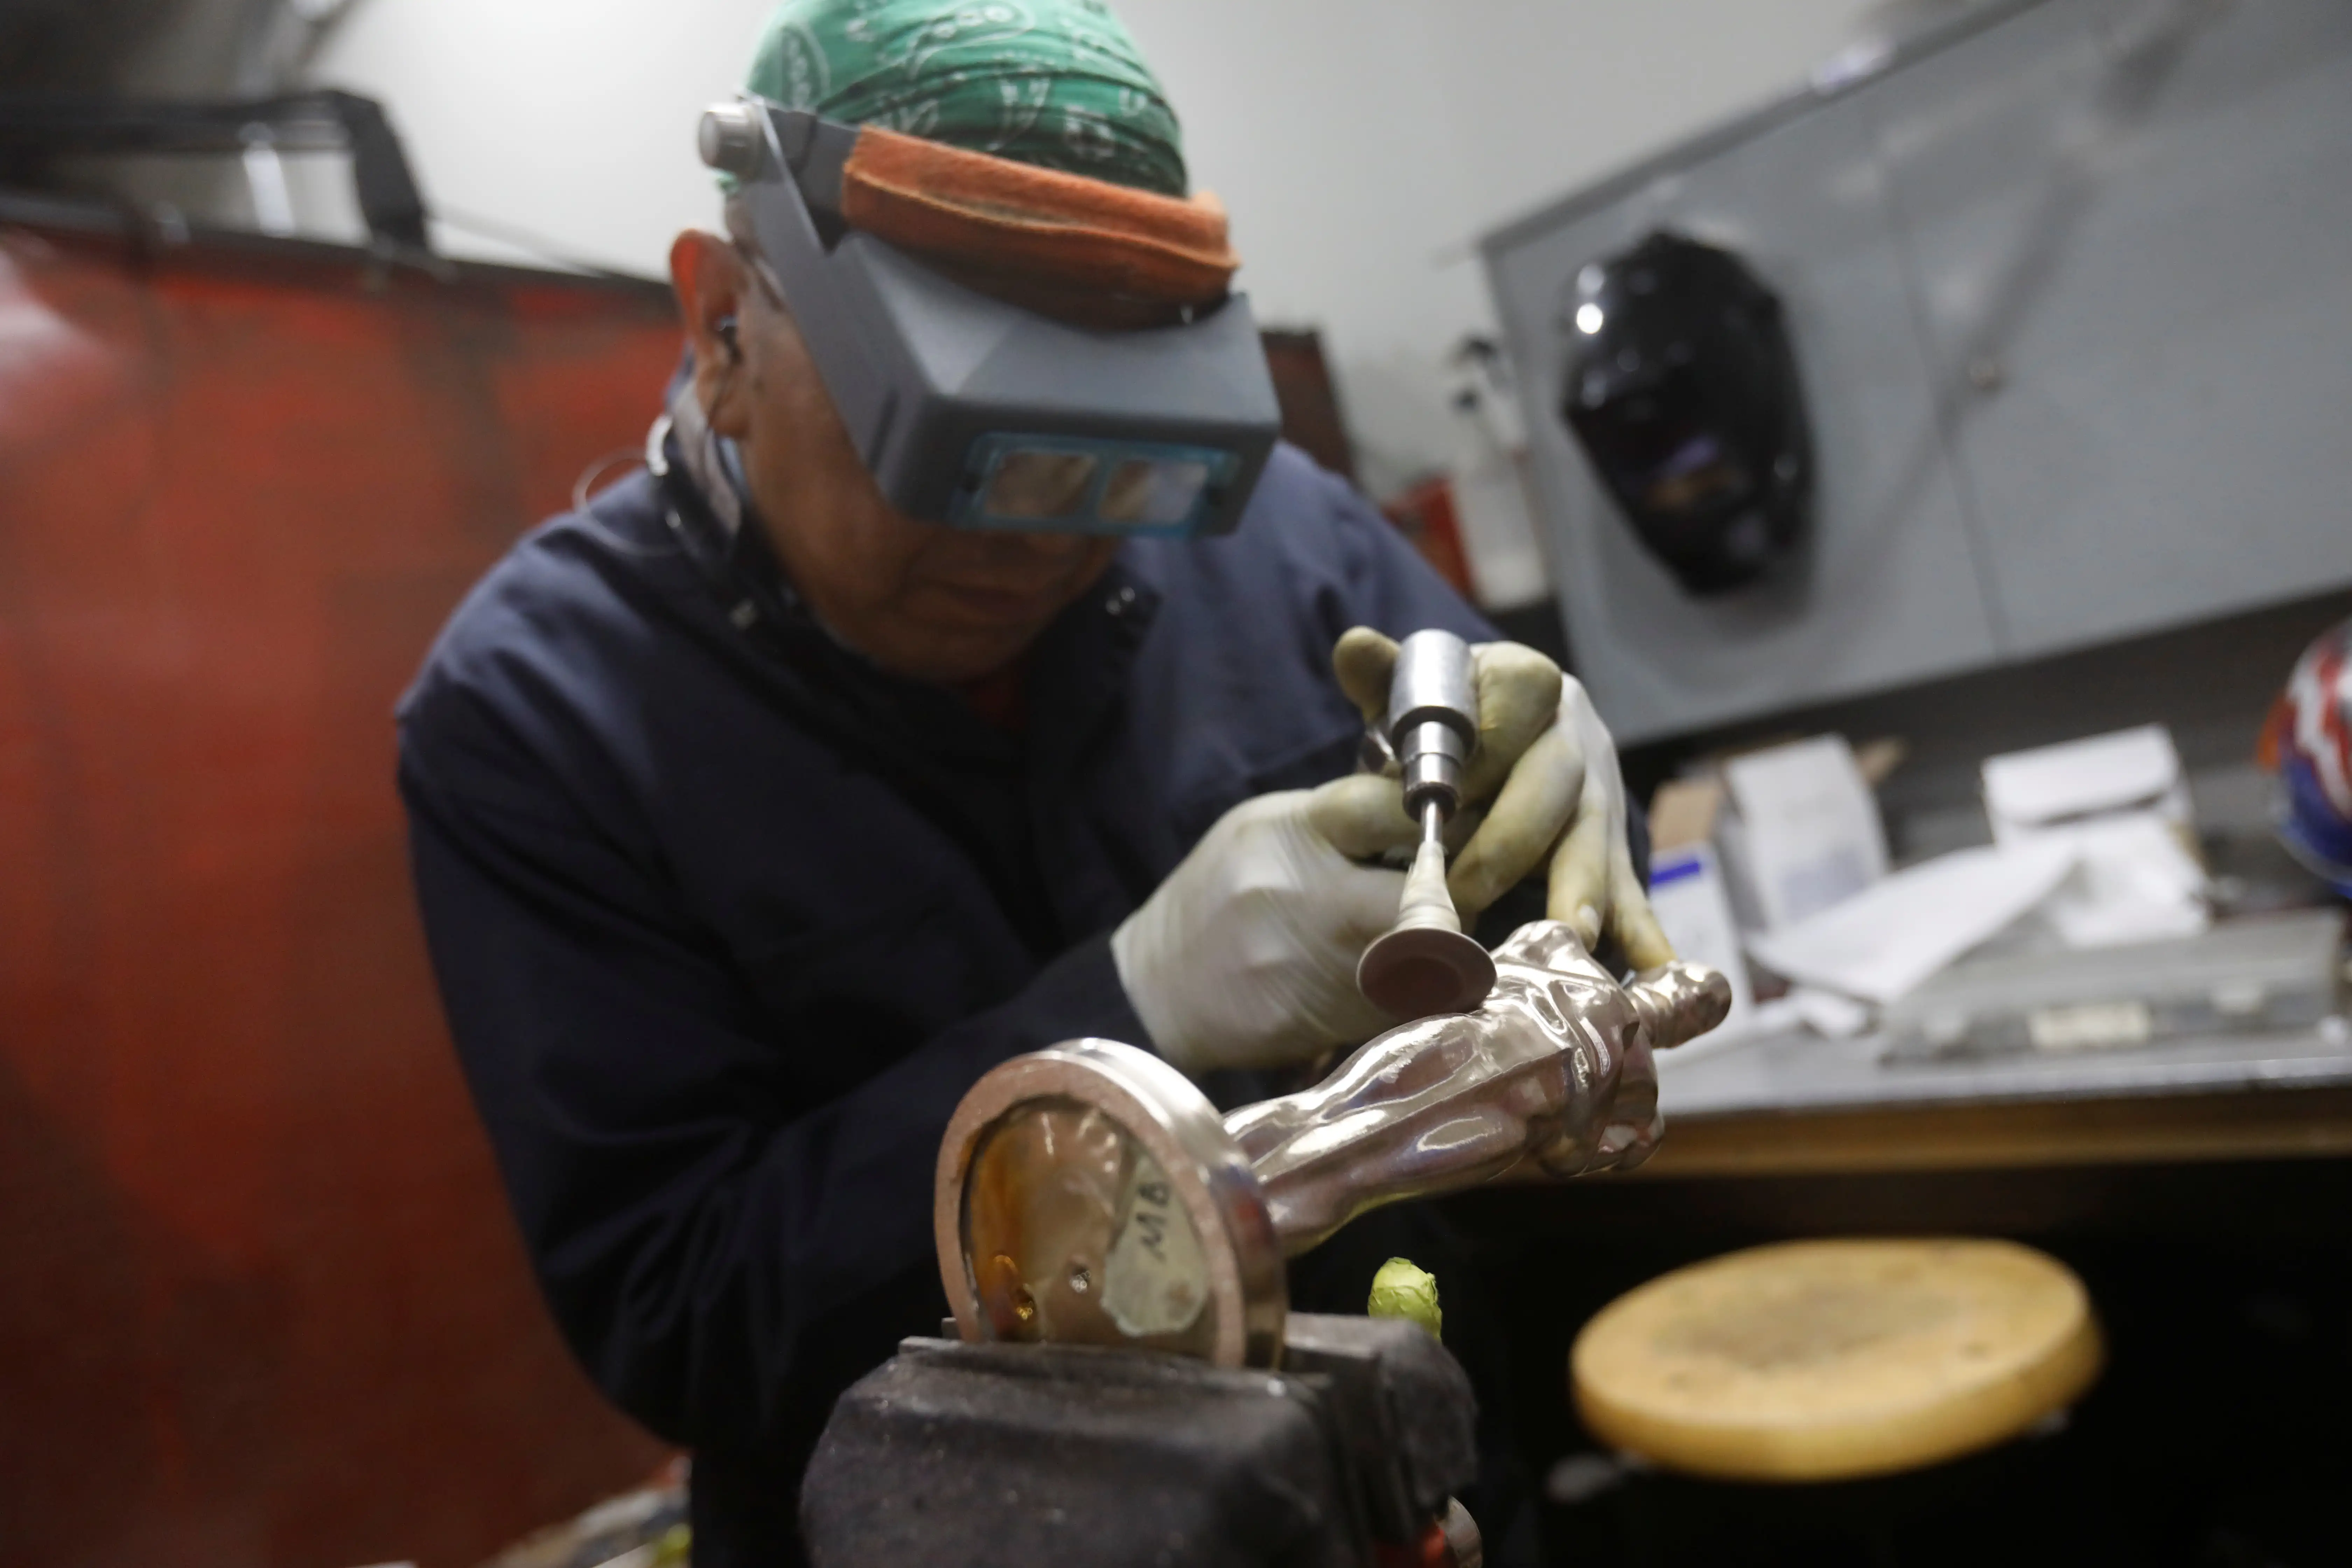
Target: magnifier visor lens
1030,484
1085,484
1147,492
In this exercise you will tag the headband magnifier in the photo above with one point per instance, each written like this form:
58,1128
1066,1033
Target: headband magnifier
977,413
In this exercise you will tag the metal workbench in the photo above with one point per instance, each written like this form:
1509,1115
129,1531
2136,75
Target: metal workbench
1797,1103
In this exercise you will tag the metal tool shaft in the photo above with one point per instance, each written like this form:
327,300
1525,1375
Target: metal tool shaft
1425,963
1432,719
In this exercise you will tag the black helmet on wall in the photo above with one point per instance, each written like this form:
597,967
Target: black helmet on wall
1682,387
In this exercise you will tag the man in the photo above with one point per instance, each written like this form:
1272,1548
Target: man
752,821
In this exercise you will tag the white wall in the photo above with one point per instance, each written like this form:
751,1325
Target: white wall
1360,144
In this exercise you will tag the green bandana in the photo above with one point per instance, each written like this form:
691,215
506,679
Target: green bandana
1056,83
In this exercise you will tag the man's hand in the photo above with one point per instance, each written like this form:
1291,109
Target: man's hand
1245,956
1544,775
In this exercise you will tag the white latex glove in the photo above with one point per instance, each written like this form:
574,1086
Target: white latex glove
1544,776
1245,956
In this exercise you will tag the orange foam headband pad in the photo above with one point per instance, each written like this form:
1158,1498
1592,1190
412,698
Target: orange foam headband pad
1058,230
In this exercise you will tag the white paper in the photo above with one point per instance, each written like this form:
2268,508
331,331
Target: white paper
1808,836
2132,881
2128,770
1778,1017
2120,803
1827,1014
1885,940
1687,894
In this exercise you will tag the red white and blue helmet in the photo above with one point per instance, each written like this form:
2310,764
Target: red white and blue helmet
2308,742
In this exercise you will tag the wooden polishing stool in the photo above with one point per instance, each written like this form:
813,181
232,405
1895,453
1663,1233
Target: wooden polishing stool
1836,1361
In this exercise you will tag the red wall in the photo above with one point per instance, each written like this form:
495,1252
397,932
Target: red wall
260,1301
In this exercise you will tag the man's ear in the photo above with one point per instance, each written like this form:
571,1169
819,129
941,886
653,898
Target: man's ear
710,282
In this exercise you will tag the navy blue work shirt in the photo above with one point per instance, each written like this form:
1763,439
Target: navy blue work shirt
726,921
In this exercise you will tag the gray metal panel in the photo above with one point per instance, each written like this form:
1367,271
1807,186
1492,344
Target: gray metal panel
2137,215
1802,1072
1842,73
1890,592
